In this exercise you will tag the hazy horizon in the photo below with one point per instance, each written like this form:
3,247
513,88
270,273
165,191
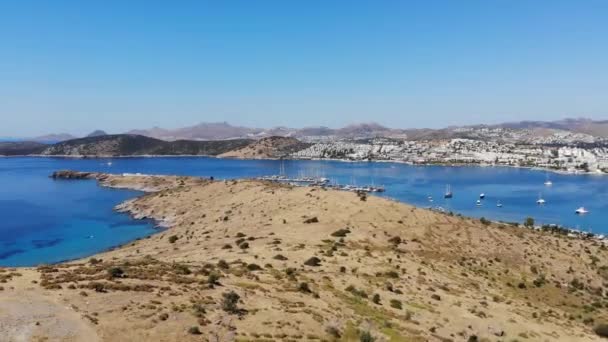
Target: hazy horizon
76,67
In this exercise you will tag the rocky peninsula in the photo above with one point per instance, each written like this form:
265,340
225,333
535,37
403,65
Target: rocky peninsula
248,260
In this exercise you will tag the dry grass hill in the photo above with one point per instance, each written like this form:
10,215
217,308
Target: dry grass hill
253,261
265,148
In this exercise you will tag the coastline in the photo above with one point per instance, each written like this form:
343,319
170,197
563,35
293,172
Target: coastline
535,168
277,246
160,183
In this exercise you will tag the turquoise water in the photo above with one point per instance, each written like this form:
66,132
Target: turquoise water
46,221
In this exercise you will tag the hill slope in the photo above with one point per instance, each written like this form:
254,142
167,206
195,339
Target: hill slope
249,260
272,147
21,148
133,145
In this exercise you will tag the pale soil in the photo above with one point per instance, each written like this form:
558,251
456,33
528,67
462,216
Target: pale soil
454,277
267,148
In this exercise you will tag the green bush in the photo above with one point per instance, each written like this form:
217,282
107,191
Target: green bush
194,331
116,272
395,303
303,287
601,330
340,233
314,261
173,238
230,302
366,337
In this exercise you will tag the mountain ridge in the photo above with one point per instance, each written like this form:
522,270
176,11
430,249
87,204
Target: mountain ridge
206,131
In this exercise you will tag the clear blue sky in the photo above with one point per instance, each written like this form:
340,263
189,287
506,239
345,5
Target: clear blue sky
75,66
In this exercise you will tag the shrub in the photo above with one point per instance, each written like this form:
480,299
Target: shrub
376,299
529,222
311,220
392,274
436,296
356,292
254,267
395,240
333,331
181,269
213,278
244,245
340,233
303,287
230,301
173,238
280,257
342,269
539,281
484,221
601,330
194,331
223,264
395,303
314,261
94,261
116,272
163,316
227,246
366,337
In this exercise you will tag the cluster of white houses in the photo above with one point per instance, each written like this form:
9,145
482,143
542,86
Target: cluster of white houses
570,158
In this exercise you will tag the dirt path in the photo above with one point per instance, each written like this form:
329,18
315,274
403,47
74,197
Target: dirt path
28,315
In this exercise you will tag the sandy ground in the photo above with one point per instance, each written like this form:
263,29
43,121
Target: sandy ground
398,272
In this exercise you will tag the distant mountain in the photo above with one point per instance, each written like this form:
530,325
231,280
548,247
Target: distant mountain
202,131
20,148
134,145
597,128
97,133
53,138
223,131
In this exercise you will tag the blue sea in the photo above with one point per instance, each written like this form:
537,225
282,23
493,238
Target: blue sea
47,221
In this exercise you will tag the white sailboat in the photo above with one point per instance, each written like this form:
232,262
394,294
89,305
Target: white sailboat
498,204
478,203
482,195
540,200
581,211
548,182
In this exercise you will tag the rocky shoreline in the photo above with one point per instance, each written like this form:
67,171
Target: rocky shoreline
248,260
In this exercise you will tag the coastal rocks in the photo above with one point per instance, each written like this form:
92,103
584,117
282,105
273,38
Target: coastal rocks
70,174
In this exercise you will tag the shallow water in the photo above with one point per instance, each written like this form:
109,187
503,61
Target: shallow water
46,221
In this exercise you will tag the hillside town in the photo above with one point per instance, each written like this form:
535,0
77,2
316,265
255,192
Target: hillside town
556,150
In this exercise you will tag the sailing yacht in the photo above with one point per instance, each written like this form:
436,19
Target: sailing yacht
540,200
581,211
478,202
482,196
448,192
548,182
498,204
